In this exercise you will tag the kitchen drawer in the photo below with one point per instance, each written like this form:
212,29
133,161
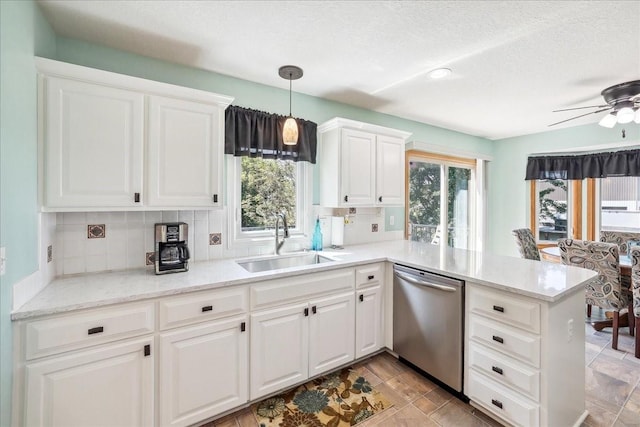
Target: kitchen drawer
505,370
511,341
87,328
502,401
371,274
505,308
299,288
202,306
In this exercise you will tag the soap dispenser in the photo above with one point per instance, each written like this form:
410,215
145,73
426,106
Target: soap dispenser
316,240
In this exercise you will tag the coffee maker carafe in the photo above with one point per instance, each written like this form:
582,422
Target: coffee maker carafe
172,252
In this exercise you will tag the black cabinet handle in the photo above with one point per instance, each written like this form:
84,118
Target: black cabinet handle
136,197
207,308
96,330
497,370
380,199
215,198
313,309
346,198
306,311
361,297
147,350
498,308
243,327
498,339
371,277
497,403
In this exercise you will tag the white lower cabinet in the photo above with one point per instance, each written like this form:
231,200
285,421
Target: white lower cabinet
109,385
203,371
292,343
368,321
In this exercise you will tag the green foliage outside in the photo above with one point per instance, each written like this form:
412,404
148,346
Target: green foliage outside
550,208
268,188
424,197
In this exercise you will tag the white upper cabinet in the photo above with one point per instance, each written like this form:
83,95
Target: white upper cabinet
115,142
361,164
94,140
184,152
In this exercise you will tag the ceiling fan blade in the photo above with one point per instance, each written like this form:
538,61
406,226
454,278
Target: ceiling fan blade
582,115
580,108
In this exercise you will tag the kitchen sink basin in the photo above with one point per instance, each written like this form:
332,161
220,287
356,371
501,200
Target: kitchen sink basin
282,261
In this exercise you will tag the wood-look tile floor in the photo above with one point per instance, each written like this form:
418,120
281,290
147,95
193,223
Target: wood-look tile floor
612,391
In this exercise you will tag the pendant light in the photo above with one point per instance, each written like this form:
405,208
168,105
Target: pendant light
290,129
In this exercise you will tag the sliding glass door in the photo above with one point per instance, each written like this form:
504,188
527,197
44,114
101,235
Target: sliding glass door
440,200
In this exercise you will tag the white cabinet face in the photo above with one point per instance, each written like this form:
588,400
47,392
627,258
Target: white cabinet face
368,321
93,145
185,153
111,385
279,349
357,168
331,333
389,170
203,371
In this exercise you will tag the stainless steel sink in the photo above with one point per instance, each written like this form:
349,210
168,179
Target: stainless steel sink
282,261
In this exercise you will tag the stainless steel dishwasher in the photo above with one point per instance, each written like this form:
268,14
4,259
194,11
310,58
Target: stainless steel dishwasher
428,323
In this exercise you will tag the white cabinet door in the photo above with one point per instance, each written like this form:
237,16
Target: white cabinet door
331,333
368,321
389,170
111,385
93,144
185,153
279,348
203,371
357,162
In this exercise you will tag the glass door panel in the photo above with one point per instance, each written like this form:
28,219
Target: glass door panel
458,207
425,181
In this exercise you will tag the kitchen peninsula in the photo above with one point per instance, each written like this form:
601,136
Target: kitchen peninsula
532,306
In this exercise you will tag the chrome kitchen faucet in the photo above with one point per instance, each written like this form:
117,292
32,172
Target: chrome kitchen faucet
285,229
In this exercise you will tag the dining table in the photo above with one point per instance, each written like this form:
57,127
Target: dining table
552,254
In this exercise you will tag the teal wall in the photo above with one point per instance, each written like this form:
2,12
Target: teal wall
23,34
509,192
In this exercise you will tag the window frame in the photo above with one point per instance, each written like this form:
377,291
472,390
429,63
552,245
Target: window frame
239,238
446,161
593,208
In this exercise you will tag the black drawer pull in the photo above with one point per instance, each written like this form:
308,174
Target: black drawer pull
361,297
497,403
498,339
136,197
96,330
498,308
306,311
243,326
497,370
371,277
207,308
380,199
215,198
313,309
147,350
346,198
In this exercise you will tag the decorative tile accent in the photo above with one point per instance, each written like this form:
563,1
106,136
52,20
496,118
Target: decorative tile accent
49,253
374,228
150,258
352,211
215,239
96,231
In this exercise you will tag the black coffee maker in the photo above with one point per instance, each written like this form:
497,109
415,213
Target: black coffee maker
172,253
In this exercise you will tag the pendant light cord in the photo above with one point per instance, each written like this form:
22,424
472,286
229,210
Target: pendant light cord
290,78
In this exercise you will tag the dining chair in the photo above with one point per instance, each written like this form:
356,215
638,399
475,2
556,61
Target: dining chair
620,238
526,244
635,282
604,291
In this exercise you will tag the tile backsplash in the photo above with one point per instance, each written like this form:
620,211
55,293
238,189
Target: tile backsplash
86,242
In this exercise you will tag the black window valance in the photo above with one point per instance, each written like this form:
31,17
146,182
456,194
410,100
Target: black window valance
259,134
595,165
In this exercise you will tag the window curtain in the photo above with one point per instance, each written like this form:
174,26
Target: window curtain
259,134
598,165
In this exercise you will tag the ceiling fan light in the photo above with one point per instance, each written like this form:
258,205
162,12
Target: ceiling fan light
608,121
290,132
625,115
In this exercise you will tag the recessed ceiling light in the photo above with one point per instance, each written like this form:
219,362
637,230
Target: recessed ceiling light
439,73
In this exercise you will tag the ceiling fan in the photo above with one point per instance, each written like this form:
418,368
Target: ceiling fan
623,102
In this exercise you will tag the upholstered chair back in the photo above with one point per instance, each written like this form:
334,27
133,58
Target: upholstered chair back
526,244
620,238
635,280
604,258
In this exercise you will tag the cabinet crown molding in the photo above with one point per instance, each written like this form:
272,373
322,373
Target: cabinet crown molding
339,122
50,67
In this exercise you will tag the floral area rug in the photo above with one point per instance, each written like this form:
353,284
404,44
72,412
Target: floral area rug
340,399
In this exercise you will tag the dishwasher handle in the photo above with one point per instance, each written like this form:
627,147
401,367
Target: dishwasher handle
418,282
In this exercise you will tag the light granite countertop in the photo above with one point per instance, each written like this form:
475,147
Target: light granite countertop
537,279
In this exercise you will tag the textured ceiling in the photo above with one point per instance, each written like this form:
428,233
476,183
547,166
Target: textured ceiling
513,62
